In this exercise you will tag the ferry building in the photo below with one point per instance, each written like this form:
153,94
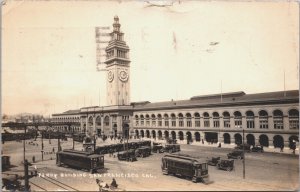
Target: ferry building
270,119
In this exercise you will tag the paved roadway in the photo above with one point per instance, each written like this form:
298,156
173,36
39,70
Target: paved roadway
264,171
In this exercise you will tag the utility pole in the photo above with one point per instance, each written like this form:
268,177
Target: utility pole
244,154
42,146
24,138
26,175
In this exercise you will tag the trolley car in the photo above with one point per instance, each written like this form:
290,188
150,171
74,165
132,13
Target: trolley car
185,166
80,159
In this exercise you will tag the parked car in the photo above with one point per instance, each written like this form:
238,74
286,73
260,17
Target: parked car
157,148
213,161
225,164
257,148
171,148
236,154
127,155
143,152
240,147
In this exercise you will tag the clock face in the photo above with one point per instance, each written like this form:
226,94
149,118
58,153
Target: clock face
123,75
110,76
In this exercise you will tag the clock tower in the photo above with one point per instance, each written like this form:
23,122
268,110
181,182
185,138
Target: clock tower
117,65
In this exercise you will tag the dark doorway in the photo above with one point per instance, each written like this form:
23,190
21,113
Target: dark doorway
180,135
197,137
142,133
264,140
250,139
147,133
278,141
211,137
226,138
159,135
166,134
292,141
153,134
173,133
238,139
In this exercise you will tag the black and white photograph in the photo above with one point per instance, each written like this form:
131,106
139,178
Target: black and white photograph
157,95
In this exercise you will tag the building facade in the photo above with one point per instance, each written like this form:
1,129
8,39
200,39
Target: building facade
270,119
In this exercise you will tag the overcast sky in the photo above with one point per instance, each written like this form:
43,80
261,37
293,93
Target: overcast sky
176,52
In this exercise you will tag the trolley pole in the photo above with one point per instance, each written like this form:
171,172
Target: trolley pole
244,170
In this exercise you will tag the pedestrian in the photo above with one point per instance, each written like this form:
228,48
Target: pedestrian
33,159
114,183
202,141
219,145
281,148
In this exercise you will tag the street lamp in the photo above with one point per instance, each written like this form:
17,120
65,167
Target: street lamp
244,169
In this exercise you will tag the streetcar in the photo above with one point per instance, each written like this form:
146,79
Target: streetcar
79,137
80,159
185,166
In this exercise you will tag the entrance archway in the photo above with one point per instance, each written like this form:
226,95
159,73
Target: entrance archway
147,133
197,137
226,137
264,140
137,133
180,135
142,133
173,133
250,139
278,141
159,135
238,138
166,134
153,134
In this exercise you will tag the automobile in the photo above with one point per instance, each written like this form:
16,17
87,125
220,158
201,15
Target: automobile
225,164
240,147
127,155
171,148
236,154
143,152
257,148
213,161
171,141
157,148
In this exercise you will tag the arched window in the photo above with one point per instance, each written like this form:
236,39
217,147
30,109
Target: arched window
159,118
226,119
142,120
250,119
188,120
237,119
278,119
90,121
106,121
98,121
173,120
166,119
180,117
263,119
147,120
197,119
294,119
153,120
136,120
216,119
206,119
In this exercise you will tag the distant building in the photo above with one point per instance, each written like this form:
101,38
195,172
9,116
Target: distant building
270,119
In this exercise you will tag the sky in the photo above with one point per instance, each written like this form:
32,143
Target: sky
179,51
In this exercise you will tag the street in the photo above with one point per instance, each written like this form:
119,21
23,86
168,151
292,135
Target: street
264,171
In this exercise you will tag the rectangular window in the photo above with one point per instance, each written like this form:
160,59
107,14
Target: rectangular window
197,123
206,122
263,123
166,123
189,123
250,123
278,123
